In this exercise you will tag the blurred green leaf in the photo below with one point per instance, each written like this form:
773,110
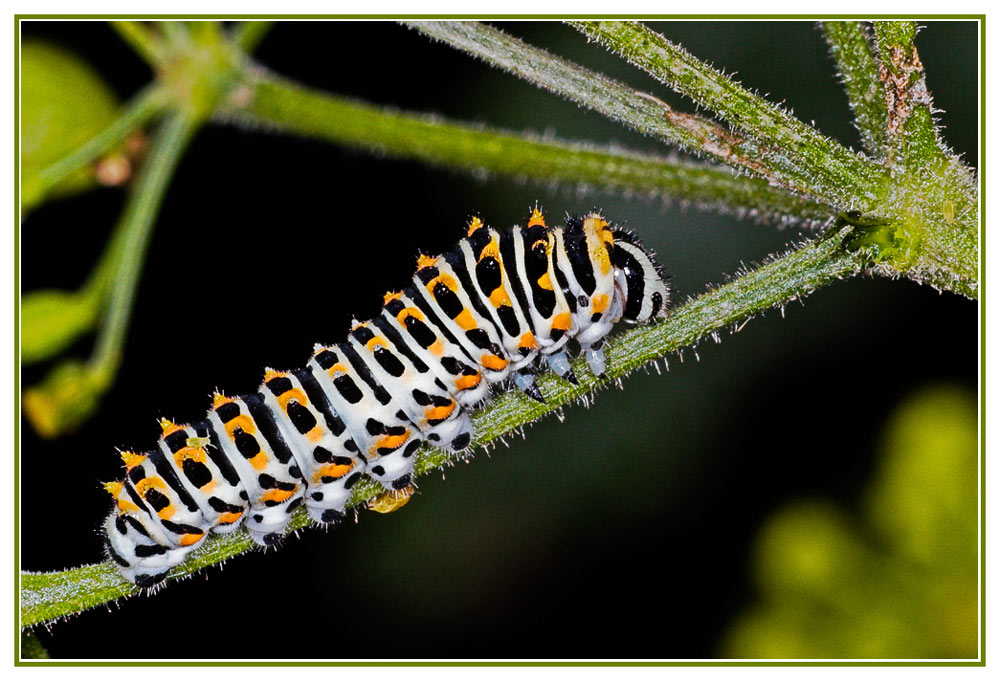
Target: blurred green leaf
923,500
64,103
66,398
899,582
31,647
51,320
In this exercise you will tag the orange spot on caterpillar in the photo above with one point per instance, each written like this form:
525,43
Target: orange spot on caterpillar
545,281
490,250
189,539
391,295
493,362
464,382
536,218
528,341
465,320
499,297
132,459
289,395
436,348
230,518
375,342
259,461
425,261
272,373
332,470
126,506
169,426
599,302
474,224
244,423
277,495
437,413
193,453
392,441
562,321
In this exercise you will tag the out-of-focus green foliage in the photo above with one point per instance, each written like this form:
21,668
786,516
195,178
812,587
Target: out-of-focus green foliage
31,647
52,319
898,582
67,396
64,103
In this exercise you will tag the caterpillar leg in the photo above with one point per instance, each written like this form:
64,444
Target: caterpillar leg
595,359
526,382
559,363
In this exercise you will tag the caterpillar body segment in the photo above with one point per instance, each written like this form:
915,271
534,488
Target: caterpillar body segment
486,315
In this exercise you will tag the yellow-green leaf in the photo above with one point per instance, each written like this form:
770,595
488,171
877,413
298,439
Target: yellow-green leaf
64,103
51,320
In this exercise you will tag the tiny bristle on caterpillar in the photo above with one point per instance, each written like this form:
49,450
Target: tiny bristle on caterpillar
481,318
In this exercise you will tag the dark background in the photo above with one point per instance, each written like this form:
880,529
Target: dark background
623,532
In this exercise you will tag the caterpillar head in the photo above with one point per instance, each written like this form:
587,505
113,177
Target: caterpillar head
639,284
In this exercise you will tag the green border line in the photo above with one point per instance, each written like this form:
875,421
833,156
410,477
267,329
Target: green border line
981,662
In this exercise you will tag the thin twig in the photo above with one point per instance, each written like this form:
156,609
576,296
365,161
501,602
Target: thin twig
279,103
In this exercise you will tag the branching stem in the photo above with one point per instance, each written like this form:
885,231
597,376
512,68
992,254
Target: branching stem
651,116
797,154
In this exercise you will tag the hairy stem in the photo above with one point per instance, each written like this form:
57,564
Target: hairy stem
800,156
49,596
932,234
292,108
851,45
642,111
137,226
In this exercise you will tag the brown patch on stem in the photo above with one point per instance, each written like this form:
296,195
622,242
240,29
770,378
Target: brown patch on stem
717,141
902,77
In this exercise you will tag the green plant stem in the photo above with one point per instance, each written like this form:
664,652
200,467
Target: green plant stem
49,596
642,111
295,109
851,45
933,204
175,32
141,109
912,134
247,34
804,158
129,249
72,390
143,40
